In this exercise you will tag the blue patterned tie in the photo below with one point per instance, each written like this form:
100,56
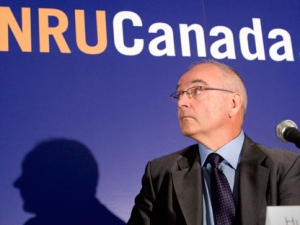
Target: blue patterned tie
221,195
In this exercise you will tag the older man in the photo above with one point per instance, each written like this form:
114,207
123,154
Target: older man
225,178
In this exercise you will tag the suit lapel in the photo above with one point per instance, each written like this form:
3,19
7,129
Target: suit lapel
253,183
188,186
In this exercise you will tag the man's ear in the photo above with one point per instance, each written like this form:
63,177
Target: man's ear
236,102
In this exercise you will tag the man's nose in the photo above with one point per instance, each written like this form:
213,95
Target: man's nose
184,100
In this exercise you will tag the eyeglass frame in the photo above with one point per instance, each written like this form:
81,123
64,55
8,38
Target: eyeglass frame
176,97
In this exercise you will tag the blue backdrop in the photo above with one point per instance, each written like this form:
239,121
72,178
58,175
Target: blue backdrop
111,90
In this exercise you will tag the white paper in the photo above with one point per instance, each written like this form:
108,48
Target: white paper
283,215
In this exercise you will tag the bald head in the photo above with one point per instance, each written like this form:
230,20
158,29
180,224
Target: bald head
212,102
232,79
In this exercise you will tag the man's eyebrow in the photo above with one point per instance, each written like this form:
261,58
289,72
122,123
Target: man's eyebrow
198,81
194,82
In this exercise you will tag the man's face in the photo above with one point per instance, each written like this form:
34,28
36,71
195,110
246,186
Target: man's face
203,115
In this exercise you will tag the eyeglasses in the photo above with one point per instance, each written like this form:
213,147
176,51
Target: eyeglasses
194,91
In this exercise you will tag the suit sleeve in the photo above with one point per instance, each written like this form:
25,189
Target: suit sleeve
143,206
289,191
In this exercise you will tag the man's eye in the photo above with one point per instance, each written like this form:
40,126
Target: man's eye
179,94
198,90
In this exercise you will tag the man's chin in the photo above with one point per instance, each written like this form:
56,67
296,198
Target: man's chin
186,132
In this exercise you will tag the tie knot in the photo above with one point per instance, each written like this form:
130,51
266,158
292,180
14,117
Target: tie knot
214,159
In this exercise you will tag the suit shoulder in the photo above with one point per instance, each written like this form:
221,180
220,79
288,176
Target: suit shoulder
169,162
185,152
280,157
277,152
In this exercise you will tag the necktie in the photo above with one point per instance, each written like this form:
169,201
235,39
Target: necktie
221,195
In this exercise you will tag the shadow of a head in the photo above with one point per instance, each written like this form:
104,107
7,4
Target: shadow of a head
58,184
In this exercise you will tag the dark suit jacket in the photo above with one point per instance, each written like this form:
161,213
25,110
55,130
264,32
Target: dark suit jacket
172,186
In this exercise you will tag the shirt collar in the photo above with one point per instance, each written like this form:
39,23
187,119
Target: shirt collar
230,151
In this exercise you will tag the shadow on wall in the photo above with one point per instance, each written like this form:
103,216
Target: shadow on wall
58,184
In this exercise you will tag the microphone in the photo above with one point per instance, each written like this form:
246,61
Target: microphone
287,131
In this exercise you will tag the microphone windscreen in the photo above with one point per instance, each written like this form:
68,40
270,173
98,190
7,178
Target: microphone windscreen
281,128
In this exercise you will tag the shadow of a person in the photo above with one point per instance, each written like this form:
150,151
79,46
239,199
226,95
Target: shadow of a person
58,184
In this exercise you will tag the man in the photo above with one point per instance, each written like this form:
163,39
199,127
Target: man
178,188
